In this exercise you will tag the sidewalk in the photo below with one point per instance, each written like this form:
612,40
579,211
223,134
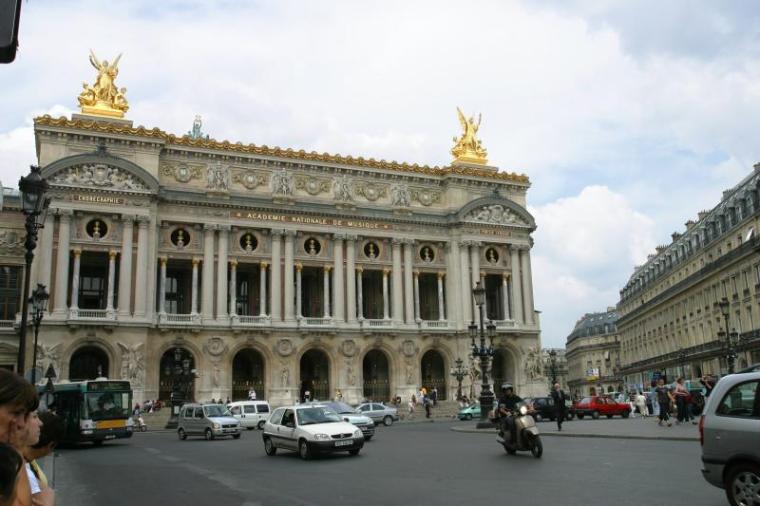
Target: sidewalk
616,428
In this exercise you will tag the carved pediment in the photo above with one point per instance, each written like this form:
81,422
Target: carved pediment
496,214
100,176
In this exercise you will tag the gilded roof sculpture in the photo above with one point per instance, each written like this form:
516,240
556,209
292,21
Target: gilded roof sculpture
467,148
103,98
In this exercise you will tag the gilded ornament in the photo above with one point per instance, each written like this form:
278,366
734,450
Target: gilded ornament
249,179
103,98
372,191
467,148
426,197
313,185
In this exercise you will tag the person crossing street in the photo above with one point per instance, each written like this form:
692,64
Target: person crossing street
559,397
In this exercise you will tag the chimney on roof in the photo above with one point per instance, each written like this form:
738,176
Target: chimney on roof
701,214
660,249
611,309
675,236
757,167
689,224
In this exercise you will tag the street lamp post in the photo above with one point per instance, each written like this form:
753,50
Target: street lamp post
484,353
182,376
459,372
553,364
730,351
34,205
39,300
48,398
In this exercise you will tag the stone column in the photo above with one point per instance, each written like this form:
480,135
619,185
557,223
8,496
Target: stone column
44,253
505,295
474,278
263,289
233,287
359,290
338,297
74,308
194,293
397,311
516,292
351,279
299,309
527,285
275,307
111,281
125,267
408,283
207,283
485,301
416,276
386,314
453,306
62,263
441,307
162,287
289,238
466,289
141,279
326,291
221,273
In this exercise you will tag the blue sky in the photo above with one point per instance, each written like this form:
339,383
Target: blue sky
629,117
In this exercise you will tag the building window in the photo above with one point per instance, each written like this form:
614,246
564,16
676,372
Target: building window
10,291
92,287
178,296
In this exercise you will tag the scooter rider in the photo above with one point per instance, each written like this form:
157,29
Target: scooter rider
508,404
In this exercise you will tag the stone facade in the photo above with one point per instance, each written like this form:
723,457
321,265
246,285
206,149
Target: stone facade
270,268
593,354
670,319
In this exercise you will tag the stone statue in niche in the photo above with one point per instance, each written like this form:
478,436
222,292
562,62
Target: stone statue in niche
400,196
132,363
217,177
342,188
285,377
282,183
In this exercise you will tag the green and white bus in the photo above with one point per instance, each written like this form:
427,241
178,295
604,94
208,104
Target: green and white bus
93,410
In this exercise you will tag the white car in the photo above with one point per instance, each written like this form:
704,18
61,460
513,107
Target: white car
310,430
250,414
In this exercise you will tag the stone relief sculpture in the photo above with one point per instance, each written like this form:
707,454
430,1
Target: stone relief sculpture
313,185
11,241
426,197
496,213
372,191
47,355
409,374
249,179
284,347
342,188
98,175
217,178
282,183
215,347
533,368
285,375
132,363
348,348
350,376
181,173
400,196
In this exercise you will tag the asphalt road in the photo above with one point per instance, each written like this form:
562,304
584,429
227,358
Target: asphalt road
423,463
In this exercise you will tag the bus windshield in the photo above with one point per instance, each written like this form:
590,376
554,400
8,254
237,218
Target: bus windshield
107,405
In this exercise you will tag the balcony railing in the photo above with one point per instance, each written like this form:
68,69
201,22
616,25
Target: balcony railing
179,319
6,324
250,320
504,324
434,324
374,324
91,314
315,322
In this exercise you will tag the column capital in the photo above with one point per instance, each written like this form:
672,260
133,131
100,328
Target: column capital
128,219
506,276
163,259
327,267
396,242
482,274
77,251
519,247
233,262
386,271
359,269
112,254
410,242
263,265
298,266
415,272
289,234
352,237
209,226
64,213
276,232
223,228
339,237
142,221
441,274
196,261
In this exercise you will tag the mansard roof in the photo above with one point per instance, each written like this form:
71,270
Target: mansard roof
592,324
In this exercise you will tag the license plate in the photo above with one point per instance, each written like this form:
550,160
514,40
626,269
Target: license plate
110,436
347,442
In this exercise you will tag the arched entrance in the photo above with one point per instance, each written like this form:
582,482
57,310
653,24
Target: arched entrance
315,375
502,369
177,373
247,373
434,373
376,376
88,363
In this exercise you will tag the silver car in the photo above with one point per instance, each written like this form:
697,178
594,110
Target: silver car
208,420
730,435
379,413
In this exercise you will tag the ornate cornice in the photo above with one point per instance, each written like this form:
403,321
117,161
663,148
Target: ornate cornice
312,156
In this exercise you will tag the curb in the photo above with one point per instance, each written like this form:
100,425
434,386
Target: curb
586,435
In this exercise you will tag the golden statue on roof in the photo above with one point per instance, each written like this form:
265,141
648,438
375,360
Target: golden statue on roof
103,98
467,148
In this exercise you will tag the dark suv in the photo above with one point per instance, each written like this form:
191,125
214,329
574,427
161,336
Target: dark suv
543,408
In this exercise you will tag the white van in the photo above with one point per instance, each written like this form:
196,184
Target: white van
250,414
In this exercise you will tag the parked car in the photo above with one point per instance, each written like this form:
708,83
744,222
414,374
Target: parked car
542,408
208,420
250,414
349,414
469,412
729,431
310,430
597,405
378,412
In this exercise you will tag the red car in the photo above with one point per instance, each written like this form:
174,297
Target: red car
596,405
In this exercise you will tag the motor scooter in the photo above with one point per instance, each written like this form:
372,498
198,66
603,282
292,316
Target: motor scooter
526,436
140,424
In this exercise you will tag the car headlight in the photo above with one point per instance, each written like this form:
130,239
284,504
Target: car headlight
523,410
321,437
217,426
357,433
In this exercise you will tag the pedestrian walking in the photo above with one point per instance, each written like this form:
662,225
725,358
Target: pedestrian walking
709,383
682,401
559,397
338,396
428,404
664,399
251,394
412,405
641,403
434,396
